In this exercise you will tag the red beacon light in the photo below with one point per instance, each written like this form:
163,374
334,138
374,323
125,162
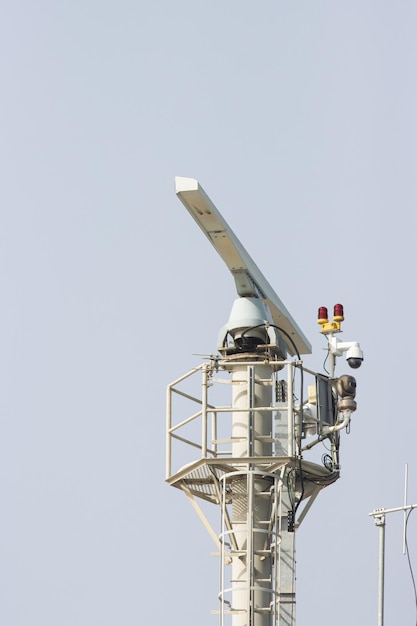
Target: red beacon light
323,319
338,315
323,316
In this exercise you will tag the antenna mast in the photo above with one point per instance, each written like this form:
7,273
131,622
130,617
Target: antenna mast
379,518
251,450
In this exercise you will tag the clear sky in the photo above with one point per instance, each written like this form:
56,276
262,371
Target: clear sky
299,120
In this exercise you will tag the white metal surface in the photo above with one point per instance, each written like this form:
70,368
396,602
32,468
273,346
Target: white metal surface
243,456
251,498
245,453
250,282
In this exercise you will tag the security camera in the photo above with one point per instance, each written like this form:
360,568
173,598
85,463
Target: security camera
354,356
351,349
354,363
346,389
346,386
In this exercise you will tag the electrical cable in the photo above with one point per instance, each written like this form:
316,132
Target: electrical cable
290,339
281,330
325,361
290,490
325,447
325,480
409,559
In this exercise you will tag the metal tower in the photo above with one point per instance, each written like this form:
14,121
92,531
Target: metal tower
244,441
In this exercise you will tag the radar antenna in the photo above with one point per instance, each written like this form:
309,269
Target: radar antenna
250,282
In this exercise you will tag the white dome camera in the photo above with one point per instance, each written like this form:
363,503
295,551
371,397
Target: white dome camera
351,349
354,356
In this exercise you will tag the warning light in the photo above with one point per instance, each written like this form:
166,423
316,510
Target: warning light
322,315
338,313
334,326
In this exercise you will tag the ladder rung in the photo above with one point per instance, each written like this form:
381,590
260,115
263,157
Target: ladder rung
230,440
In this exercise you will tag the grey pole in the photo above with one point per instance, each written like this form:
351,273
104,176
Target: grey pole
380,521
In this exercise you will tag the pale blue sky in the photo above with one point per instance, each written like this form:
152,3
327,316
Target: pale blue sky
299,120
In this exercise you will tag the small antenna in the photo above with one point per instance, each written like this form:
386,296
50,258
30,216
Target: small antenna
405,507
379,518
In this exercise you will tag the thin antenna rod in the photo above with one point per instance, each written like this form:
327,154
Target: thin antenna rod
405,506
